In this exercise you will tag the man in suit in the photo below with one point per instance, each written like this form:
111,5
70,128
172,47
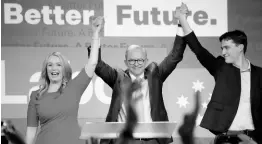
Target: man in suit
236,103
151,106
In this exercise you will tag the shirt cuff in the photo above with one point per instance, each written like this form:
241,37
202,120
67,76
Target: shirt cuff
180,31
96,39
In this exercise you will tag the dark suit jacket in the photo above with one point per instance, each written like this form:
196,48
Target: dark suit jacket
224,103
155,74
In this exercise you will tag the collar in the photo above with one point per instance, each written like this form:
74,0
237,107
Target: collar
245,70
134,77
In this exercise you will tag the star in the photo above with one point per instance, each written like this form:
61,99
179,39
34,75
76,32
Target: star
198,86
199,119
35,77
182,101
204,105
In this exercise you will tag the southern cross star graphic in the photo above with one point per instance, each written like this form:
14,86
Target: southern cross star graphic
182,101
204,105
198,86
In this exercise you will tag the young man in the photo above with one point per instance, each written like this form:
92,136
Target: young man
236,103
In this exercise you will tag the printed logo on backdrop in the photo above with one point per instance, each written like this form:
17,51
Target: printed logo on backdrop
155,18
13,15
36,23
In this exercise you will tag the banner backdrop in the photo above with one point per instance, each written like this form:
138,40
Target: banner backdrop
31,29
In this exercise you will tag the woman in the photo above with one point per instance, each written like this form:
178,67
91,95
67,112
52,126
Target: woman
54,107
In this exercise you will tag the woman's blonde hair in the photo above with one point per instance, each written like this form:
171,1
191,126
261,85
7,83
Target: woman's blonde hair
44,79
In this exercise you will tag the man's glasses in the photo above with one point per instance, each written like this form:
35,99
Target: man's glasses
133,61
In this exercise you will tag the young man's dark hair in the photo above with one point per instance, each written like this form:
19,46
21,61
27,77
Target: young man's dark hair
237,36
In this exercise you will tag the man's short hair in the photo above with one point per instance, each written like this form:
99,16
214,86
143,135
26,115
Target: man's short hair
237,36
134,47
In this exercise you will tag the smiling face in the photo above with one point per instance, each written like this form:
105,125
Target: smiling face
54,69
136,60
231,51
233,45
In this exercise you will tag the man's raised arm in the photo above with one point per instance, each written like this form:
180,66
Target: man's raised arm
103,70
174,57
205,57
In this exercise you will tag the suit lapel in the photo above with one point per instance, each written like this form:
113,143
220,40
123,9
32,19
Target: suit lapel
119,99
127,72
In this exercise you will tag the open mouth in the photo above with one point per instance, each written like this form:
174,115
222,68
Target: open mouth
54,73
225,56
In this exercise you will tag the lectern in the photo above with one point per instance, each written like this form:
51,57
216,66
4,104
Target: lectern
111,130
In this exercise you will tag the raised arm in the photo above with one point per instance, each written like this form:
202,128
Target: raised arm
32,120
174,57
128,87
97,25
210,62
103,70
107,73
79,84
186,130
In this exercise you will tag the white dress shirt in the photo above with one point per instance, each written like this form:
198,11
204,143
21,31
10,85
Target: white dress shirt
243,118
142,107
